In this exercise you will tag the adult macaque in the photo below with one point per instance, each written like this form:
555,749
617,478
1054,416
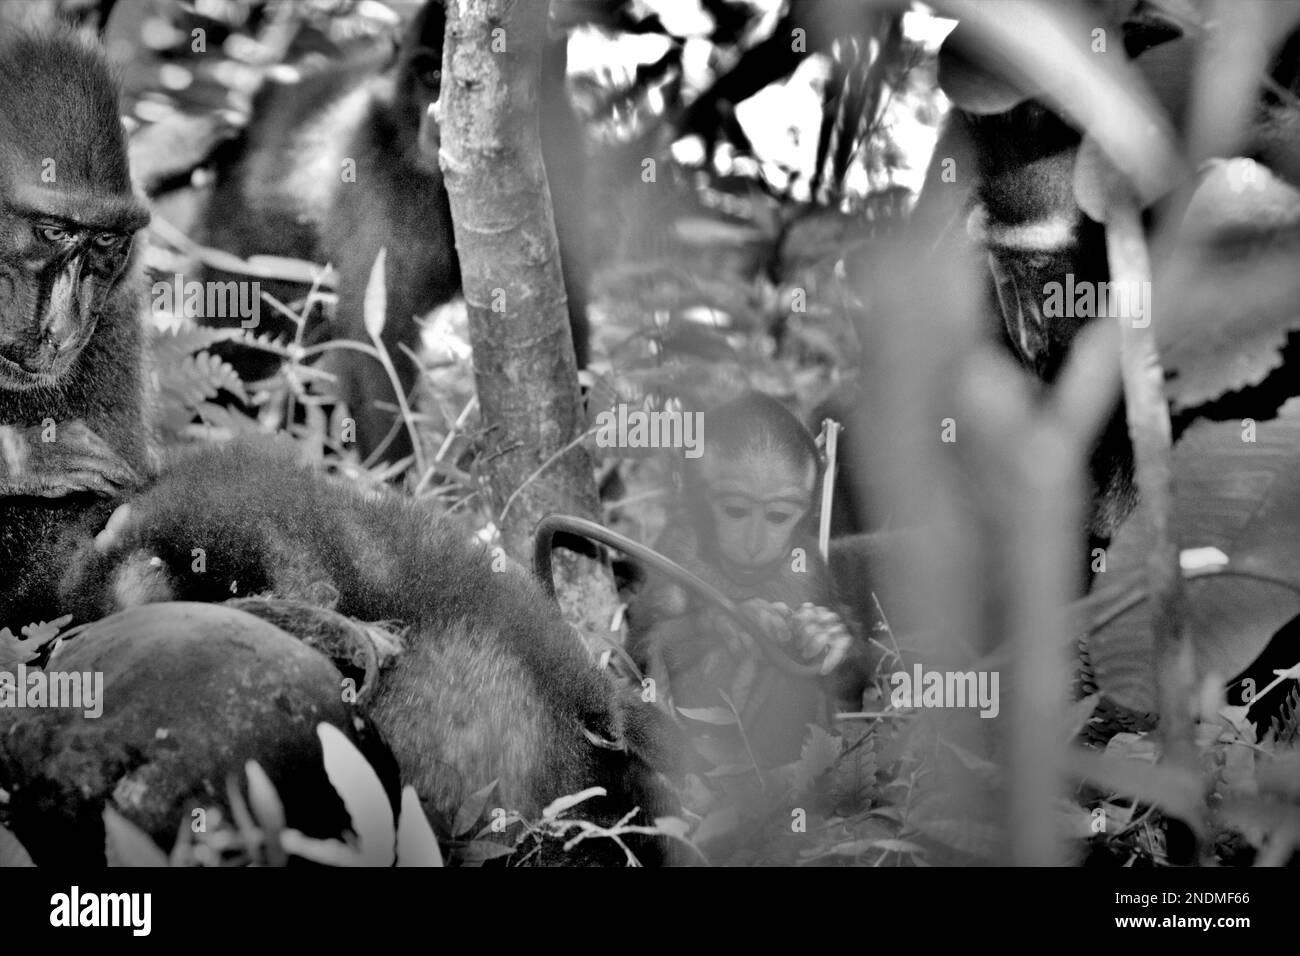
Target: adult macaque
343,163
72,397
747,525
1013,173
492,684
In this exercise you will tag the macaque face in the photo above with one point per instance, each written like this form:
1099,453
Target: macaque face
756,509
58,271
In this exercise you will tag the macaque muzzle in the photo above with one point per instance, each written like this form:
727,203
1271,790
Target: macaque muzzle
1018,302
62,317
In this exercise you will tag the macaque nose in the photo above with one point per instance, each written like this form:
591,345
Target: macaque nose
755,538
41,358
31,352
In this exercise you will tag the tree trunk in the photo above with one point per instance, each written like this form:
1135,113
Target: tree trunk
524,365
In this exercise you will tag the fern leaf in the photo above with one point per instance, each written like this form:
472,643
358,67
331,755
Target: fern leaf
1286,722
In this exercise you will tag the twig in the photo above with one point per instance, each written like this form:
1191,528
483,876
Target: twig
1151,435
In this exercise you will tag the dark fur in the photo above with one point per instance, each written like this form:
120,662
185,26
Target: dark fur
493,683
398,203
59,101
1017,167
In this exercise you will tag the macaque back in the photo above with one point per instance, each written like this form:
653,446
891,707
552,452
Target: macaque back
492,683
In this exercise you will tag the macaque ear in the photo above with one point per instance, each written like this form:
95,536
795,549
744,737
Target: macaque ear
426,69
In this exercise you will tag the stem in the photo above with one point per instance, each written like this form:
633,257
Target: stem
1151,436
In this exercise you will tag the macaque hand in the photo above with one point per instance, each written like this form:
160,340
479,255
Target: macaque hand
765,617
76,460
821,631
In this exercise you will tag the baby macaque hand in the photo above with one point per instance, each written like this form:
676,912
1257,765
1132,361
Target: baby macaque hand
765,617
771,618
813,630
820,630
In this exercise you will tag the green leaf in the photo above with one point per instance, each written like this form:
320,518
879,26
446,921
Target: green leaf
858,847
15,650
1129,746
819,752
1231,292
1260,819
1240,497
471,809
480,851
982,840
1078,713
974,86
171,346
853,778
325,852
263,799
416,844
717,824
982,767
12,853
709,715
362,794
1175,791
1286,723
267,810
374,307
125,844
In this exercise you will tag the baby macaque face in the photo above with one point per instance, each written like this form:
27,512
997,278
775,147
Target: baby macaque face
756,505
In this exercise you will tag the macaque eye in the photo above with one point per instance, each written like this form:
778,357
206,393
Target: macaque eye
427,69
779,517
107,240
735,512
53,233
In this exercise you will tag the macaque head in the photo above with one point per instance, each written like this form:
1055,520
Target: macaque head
752,491
67,214
1037,238
419,75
